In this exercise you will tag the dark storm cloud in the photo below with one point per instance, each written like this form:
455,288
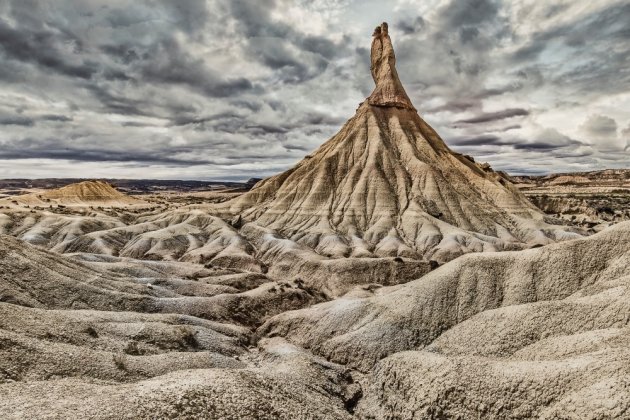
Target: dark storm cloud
547,139
604,34
53,148
463,13
297,57
411,26
17,120
483,140
43,48
318,118
53,117
456,105
459,41
536,146
94,155
474,141
113,102
606,26
167,62
495,116
183,120
31,121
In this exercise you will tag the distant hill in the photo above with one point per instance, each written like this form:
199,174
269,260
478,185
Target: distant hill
595,178
129,186
81,193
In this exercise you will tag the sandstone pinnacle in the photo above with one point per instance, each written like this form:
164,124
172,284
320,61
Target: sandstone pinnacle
389,91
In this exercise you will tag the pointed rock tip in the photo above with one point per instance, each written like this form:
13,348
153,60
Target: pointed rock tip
389,91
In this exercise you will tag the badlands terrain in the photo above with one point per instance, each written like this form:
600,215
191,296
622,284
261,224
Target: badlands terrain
590,199
385,276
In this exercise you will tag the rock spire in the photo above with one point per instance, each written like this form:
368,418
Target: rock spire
388,91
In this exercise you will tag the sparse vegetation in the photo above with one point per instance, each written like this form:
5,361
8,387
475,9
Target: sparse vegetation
187,337
132,349
120,360
91,332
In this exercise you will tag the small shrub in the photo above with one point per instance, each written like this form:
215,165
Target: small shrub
120,360
188,337
132,348
91,332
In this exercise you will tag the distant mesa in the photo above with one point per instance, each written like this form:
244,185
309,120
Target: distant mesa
570,179
82,193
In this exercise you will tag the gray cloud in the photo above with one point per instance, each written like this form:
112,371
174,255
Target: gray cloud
600,125
17,120
167,62
467,13
602,69
218,88
601,130
46,49
411,25
495,116
483,140
54,117
536,145
296,56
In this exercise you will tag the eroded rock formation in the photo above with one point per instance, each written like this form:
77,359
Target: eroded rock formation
389,91
387,185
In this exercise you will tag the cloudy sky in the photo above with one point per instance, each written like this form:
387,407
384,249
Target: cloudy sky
232,89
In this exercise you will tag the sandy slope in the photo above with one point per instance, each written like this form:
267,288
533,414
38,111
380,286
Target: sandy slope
531,334
83,339
541,333
361,331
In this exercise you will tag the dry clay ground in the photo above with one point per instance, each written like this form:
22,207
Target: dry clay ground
540,333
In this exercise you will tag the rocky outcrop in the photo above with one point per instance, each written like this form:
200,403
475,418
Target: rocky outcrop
389,91
386,185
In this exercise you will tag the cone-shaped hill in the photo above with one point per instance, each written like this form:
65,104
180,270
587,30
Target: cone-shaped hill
78,194
388,185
